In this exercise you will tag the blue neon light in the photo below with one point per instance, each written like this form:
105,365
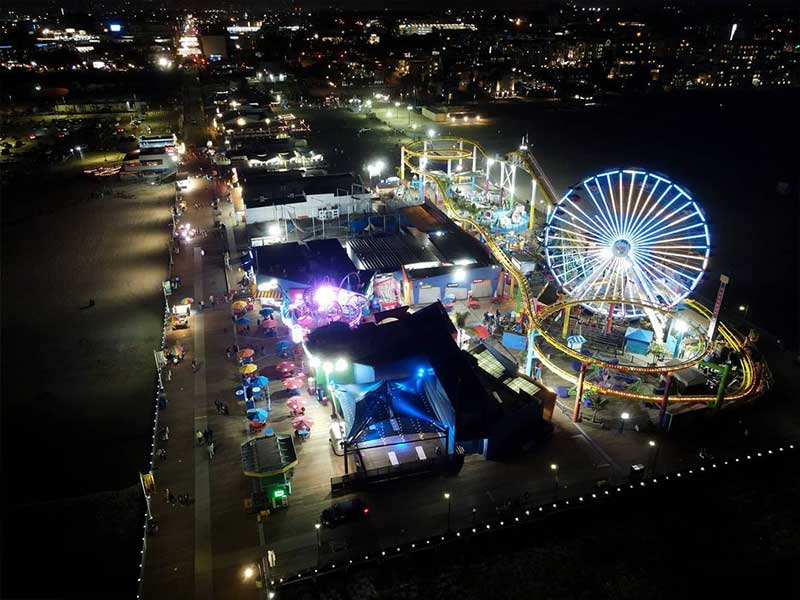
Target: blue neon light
668,240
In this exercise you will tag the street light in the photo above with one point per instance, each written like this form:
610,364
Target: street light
624,417
744,309
447,497
319,545
431,133
248,573
241,122
554,470
654,449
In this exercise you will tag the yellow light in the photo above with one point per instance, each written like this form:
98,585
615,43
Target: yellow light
241,122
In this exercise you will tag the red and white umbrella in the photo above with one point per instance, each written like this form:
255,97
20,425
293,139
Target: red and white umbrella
285,366
296,403
293,383
303,422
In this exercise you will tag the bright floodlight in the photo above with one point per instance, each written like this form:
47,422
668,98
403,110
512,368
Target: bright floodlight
553,467
742,308
341,364
314,361
680,326
397,105
652,444
163,61
431,133
241,122
625,416
274,230
327,366
459,275
248,572
447,495
375,168
627,234
324,296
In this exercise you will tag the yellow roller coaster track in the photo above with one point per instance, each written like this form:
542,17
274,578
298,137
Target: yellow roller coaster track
747,387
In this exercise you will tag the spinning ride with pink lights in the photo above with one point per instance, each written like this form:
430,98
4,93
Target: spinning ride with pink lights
321,306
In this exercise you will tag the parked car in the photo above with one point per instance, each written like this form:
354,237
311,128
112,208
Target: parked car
344,512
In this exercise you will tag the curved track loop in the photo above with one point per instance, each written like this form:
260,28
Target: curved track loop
553,309
747,386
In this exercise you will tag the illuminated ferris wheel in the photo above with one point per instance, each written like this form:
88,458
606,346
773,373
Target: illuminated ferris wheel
627,234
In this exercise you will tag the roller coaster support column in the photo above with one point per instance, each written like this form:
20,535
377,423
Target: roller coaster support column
723,381
576,411
474,160
532,211
529,359
513,185
402,163
565,327
610,319
662,411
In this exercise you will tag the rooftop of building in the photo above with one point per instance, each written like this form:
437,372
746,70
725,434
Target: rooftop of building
305,263
429,334
287,187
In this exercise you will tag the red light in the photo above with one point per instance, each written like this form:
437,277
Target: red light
366,510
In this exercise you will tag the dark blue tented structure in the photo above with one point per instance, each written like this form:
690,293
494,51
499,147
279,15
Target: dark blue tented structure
381,410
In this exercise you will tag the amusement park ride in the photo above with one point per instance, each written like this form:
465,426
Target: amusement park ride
626,248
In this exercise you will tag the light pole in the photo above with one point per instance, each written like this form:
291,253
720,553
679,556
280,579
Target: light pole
623,418
448,498
554,470
654,459
409,108
319,545
744,309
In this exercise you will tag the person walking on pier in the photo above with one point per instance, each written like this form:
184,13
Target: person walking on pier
210,449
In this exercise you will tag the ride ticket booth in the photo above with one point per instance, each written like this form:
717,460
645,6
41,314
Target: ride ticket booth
269,463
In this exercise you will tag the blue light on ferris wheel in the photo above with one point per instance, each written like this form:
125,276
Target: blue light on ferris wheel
627,234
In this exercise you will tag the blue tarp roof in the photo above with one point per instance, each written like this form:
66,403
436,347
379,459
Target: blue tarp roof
639,335
383,409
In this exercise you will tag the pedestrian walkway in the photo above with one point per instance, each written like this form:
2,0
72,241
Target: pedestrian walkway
200,549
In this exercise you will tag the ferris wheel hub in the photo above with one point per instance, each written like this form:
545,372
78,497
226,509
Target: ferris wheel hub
621,248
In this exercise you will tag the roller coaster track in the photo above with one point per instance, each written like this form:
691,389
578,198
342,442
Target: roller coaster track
749,381
527,161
